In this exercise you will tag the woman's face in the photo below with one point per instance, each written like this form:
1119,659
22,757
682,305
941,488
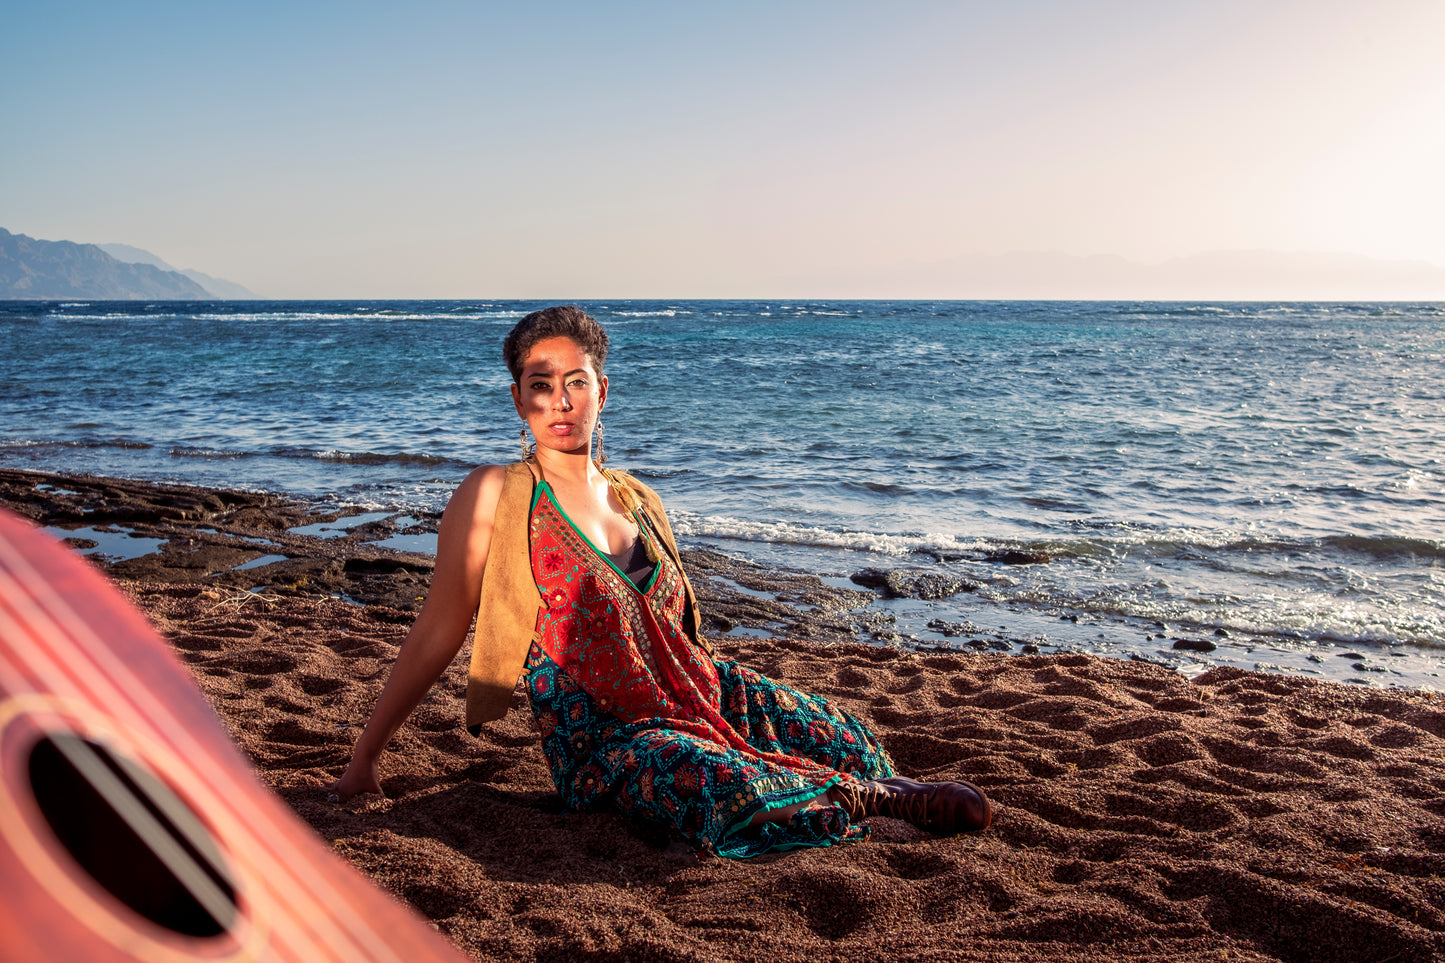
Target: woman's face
560,394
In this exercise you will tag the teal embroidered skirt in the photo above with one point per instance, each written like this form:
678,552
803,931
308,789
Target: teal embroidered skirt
706,791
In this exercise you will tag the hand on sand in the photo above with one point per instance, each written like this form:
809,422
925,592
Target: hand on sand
356,781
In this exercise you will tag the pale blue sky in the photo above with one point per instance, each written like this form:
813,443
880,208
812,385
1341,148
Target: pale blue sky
743,149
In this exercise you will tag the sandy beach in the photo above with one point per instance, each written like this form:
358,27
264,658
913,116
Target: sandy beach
1142,815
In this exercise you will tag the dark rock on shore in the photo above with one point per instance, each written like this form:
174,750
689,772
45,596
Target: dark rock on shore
1194,645
1000,556
951,630
769,599
897,584
1018,556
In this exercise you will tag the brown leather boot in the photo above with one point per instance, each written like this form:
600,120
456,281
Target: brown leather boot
944,808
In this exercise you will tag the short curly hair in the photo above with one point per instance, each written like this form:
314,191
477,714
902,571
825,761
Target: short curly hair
564,321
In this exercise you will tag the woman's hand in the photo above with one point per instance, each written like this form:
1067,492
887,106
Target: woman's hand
359,779
437,634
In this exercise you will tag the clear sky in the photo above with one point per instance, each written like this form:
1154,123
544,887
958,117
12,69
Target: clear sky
616,149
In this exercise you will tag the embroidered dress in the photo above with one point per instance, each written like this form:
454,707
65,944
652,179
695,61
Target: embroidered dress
635,717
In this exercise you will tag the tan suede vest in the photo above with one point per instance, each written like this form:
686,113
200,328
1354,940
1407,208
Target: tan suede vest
510,607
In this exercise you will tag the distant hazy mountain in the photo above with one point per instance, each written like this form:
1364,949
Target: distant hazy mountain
34,269
219,287
135,255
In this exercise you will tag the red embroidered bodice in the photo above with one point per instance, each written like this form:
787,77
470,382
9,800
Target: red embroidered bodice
624,644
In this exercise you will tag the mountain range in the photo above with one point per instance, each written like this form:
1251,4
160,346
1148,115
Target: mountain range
42,270
32,269
219,287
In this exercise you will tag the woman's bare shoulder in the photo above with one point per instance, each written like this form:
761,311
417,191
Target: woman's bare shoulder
479,492
485,476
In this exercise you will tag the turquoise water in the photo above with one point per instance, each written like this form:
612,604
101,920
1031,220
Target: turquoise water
1275,470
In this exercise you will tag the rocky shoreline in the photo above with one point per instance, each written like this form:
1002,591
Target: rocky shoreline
262,542
217,537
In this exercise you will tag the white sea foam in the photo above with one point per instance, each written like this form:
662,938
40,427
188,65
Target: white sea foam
264,316
221,453
788,533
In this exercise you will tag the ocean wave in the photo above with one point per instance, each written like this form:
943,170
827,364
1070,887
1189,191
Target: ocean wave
1150,576
1317,621
1114,542
370,457
113,316
217,453
31,444
1128,539
955,547
1373,546
349,316
656,473
788,533
293,316
876,488
1386,546
406,458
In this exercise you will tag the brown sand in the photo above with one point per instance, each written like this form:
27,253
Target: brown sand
1238,816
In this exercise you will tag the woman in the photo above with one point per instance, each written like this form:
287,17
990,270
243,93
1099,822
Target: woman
575,580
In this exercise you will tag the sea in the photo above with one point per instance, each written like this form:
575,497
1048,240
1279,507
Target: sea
1196,484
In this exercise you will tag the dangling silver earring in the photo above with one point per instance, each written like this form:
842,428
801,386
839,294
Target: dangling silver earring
601,458
528,448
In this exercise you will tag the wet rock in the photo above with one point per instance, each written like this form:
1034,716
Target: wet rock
770,599
1139,657
875,578
1194,645
386,565
895,584
197,561
1017,556
951,630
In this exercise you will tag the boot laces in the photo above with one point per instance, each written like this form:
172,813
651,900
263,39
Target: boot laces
861,800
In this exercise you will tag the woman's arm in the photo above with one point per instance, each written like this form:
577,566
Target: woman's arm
436,636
